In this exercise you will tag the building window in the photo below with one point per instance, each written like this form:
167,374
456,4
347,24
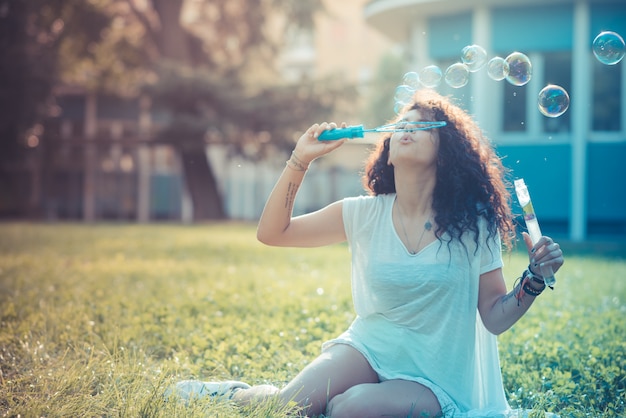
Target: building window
607,93
514,116
548,68
557,70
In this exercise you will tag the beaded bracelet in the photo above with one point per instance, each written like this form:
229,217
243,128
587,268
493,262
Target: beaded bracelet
295,163
529,290
527,277
526,288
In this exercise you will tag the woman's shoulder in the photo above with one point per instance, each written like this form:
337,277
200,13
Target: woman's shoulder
369,201
372,199
361,213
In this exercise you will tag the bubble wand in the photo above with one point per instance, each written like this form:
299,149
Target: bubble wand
357,131
532,225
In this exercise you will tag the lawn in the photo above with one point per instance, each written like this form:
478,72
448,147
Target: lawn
98,320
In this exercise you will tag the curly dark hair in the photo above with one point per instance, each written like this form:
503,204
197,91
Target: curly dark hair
471,180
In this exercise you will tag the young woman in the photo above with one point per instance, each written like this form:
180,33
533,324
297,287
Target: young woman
428,287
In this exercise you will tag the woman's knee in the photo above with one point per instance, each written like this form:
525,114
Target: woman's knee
347,404
392,399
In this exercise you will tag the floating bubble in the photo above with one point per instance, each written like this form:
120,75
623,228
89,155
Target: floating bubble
404,93
411,79
609,48
397,107
497,68
553,101
430,76
520,69
403,96
474,56
457,75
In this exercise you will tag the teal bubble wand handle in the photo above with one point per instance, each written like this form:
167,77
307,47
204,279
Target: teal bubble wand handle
358,131
350,132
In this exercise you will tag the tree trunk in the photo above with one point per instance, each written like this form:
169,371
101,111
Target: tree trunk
90,158
201,183
175,44
173,39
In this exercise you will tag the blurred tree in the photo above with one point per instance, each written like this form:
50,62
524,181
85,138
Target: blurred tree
32,34
31,37
194,58
205,51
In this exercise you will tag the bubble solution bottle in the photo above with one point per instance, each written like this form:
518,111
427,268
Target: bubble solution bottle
532,225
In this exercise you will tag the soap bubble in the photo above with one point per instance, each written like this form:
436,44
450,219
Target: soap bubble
411,79
553,101
404,94
497,68
520,69
457,75
474,56
397,107
609,48
430,76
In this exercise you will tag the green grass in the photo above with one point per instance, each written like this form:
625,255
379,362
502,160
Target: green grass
99,320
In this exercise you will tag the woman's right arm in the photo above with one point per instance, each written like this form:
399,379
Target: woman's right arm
277,226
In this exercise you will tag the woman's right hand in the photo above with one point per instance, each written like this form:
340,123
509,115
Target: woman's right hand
308,147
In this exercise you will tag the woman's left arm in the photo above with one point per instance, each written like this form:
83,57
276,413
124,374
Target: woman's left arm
498,309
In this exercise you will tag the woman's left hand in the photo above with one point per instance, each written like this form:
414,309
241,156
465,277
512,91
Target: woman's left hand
546,253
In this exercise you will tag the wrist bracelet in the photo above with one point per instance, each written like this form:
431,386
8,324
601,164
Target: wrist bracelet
527,277
295,163
529,290
534,277
524,286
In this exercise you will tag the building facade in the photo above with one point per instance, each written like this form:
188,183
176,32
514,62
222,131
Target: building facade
573,163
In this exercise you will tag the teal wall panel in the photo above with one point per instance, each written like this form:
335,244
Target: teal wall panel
541,28
546,169
608,17
448,35
606,186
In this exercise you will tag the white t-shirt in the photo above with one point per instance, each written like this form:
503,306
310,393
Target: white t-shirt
417,316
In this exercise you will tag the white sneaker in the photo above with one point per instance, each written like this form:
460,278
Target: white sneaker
196,389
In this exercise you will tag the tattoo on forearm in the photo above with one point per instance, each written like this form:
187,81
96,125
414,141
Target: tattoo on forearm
508,296
513,294
290,197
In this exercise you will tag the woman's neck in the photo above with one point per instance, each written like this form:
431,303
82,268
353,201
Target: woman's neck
415,198
414,191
